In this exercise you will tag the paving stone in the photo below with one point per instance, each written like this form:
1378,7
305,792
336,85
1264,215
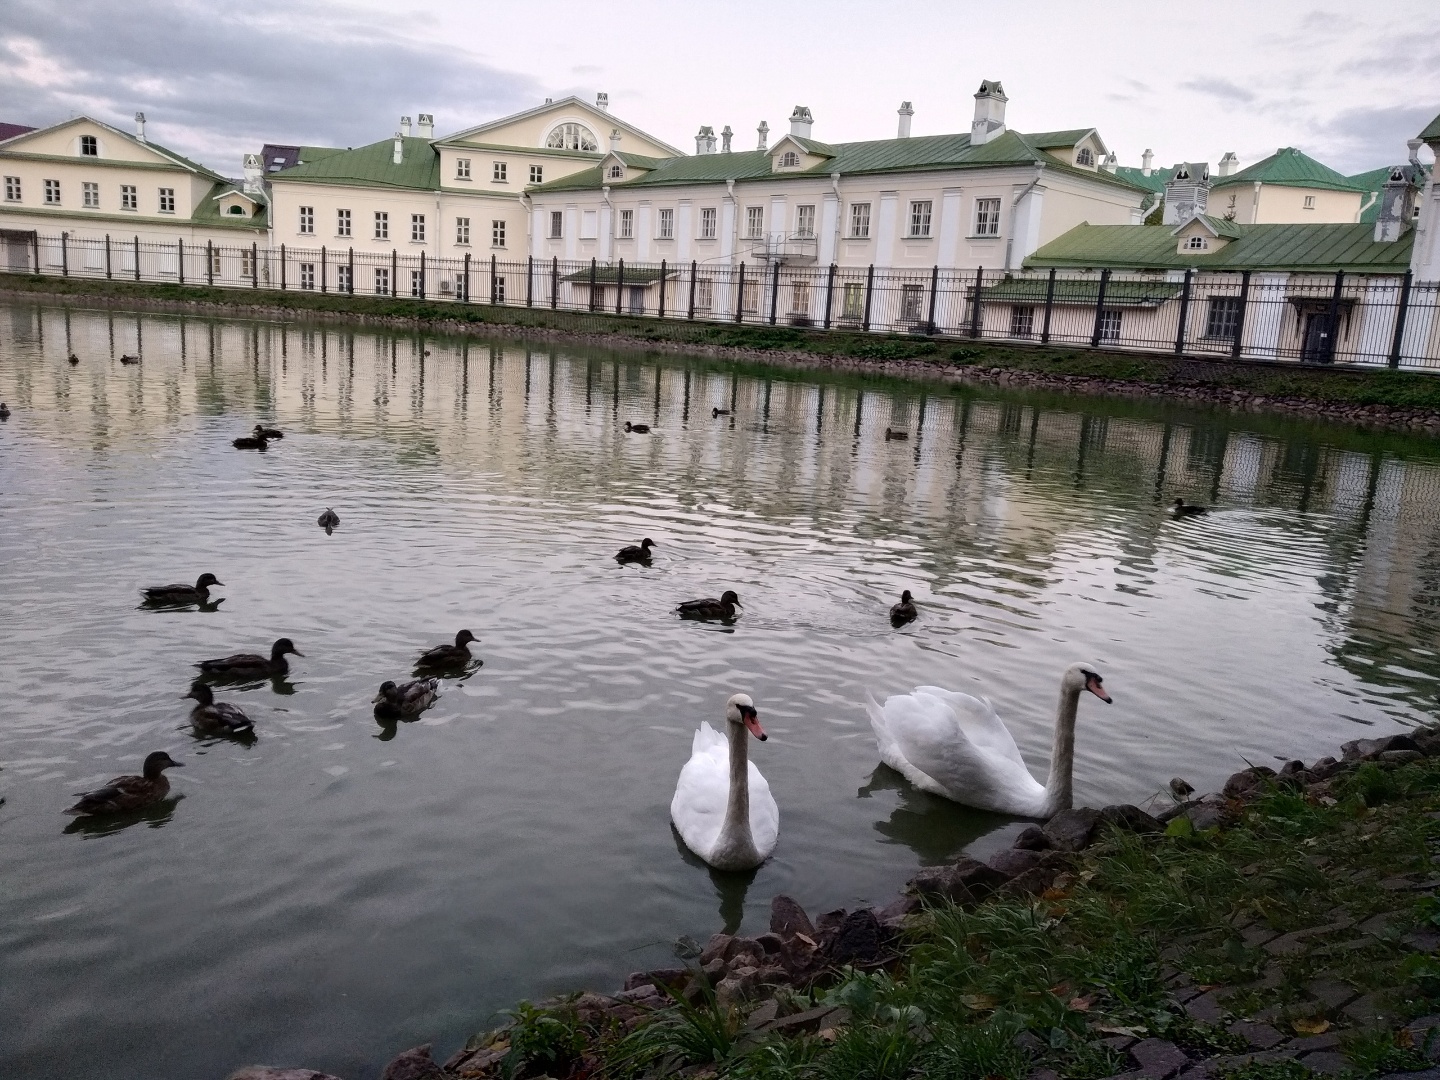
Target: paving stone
1255,936
1294,942
1423,1074
1269,1014
1421,941
1182,994
1119,1042
1159,1059
1310,1043
1327,1062
1368,1009
1044,1074
1377,925
1206,1008
1259,1036
1331,993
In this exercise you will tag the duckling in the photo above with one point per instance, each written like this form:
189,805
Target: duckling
724,608
263,432
249,443
1182,509
215,715
444,656
406,699
1181,789
896,435
129,792
717,411
4,411
638,429
198,593
127,358
635,552
252,665
329,520
74,359
904,611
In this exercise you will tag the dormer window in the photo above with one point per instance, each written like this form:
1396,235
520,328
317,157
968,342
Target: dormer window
789,160
89,147
617,172
1085,156
236,208
1309,202
1197,243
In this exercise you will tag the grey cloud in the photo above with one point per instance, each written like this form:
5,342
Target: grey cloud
1223,89
1361,139
216,82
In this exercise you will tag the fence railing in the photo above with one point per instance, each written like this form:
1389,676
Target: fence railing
1384,320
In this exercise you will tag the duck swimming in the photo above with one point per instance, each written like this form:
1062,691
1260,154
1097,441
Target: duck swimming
129,792
263,432
638,429
329,520
1182,509
717,411
129,359
448,655
904,611
252,665
406,699
893,435
250,443
724,608
635,552
198,593
74,359
215,715
4,411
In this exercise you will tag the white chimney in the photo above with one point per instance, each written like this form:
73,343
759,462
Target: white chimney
989,122
1229,164
398,155
254,171
427,125
801,122
1147,162
614,140
906,112
405,126
602,102
705,140
140,126
1111,163
764,130
725,136
1414,145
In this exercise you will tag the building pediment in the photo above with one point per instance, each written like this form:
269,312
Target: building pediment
793,154
88,140
568,124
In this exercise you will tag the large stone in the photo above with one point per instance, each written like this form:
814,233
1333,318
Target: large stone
1325,768
940,882
640,994
1158,1059
716,946
675,978
1326,1063
1130,819
414,1064
1072,830
1033,838
859,940
1014,861
1209,813
1258,1036
1247,780
270,1072
788,918
1206,1008
894,914
1368,749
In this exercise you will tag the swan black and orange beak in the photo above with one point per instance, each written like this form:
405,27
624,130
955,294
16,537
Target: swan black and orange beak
752,722
1094,684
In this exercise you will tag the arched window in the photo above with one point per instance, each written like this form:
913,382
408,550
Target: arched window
1196,243
572,137
236,209
1083,156
789,159
617,172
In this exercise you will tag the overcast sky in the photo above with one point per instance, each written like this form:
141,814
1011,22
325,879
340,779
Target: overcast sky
1346,82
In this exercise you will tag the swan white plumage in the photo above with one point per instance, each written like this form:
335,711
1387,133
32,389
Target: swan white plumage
722,807
955,746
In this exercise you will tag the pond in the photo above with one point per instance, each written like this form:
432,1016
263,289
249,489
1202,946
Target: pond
340,889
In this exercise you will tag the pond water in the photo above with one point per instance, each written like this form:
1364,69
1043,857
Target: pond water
341,890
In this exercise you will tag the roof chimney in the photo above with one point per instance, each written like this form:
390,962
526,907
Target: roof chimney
254,170
140,126
764,130
405,126
906,112
602,102
1147,162
398,155
1414,145
614,140
801,122
1111,163
1229,164
989,122
427,125
725,136
1397,203
705,140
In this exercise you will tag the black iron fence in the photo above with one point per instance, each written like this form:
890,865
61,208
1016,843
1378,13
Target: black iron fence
1366,320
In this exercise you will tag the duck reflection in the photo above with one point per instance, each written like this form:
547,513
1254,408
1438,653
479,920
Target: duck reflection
935,829
157,815
182,605
731,887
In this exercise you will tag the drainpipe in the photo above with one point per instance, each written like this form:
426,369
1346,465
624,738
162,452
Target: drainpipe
1010,241
605,198
735,217
839,217
528,205
1255,206
1369,203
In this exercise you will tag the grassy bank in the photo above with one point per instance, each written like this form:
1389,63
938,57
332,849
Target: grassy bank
1081,368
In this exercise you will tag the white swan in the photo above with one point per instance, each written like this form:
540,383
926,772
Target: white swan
723,808
955,746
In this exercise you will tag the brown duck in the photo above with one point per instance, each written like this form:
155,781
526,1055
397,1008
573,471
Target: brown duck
129,792
252,665
710,608
443,656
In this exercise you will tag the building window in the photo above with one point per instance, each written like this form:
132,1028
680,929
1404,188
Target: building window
307,275
1309,202
571,137
214,260
167,200
537,174
589,224
852,304
1196,243
247,265
557,224
805,222
987,217
498,173
1223,319
129,197
627,224
497,289
89,147
707,223
417,228
799,297
52,192
704,294
1110,325
912,303
382,281
860,221
750,296
417,283
90,194
789,160
462,230
1084,156
382,225
342,278
667,225
342,222
754,222
462,168
920,217
497,233
617,172
1022,321
307,219
12,189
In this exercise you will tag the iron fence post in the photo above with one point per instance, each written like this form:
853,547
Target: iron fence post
1240,315
1399,340
64,254
350,272
530,281
869,288
108,275
282,267
554,282
1184,312
494,295
774,292
1100,308
693,266
740,295
254,264
180,258
137,258
394,271
829,293
619,286
210,263
323,269
465,280
1049,307
422,275
975,303
592,283
934,296
1333,320
660,313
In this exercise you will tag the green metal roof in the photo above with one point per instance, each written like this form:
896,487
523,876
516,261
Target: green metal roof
1372,183
1288,167
1432,131
1303,247
371,166
1231,230
208,213
610,275
1057,140
640,161
1117,294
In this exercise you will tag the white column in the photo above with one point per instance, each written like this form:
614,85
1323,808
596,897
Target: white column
778,225
684,230
727,231
952,227
1025,227
572,230
1264,316
644,229
828,228
887,210
607,232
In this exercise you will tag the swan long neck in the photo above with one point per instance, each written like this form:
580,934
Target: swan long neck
735,837
1059,788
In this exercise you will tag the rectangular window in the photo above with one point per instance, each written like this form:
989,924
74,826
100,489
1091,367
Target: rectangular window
307,219
537,174
129,197
805,222
417,228
704,294
497,173
382,281
307,275
88,146
627,224
462,168
167,200
497,233
12,189
754,222
90,194
852,304
666,230
557,224
1022,321
215,269
912,303
750,296
342,278
417,283
860,221
799,297
987,217
1110,325
462,230
1309,202
1223,317
247,266
342,222
707,223
920,217
589,224
382,225
497,289
52,192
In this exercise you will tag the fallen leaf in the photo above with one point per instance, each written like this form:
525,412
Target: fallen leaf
807,940
1311,1025
1080,1004
1087,876
1404,1039
978,1002
1116,1029
1055,894
827,1035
